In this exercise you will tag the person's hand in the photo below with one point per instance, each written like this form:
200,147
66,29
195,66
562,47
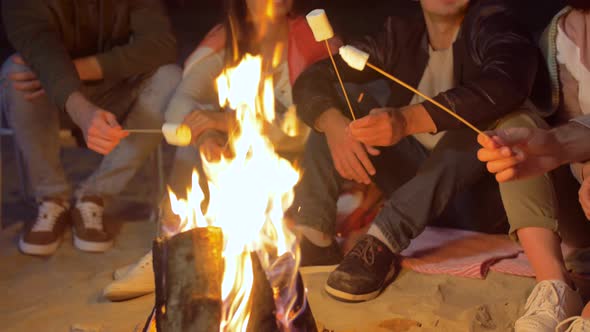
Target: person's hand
517,153
200,121
350,157
101,130
25,80
382,127
584,197
212,145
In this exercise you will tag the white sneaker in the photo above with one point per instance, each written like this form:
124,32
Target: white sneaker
138,281
577,324
122,271
550,302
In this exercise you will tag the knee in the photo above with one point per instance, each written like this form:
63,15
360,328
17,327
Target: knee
523,119
167,77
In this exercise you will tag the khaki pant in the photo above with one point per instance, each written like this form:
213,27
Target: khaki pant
549,201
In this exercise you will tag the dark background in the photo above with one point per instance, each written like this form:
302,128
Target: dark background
193,18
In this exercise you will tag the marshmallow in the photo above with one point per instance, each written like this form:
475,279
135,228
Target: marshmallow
177,134
320,25
354,57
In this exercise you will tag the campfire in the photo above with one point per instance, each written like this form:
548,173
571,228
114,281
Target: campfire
234,268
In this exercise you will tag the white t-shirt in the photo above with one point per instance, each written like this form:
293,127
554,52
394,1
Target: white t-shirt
438,77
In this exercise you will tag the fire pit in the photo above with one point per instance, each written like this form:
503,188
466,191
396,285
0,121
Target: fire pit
234,268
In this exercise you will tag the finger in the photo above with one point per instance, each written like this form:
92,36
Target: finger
102,142
115,129
18,59
372,150
486,155
366,135
359,174
22,76
510,174
486,140
501,165
34,95
362,156
342,167
30,86
365,122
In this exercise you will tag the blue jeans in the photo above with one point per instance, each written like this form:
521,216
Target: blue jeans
37,124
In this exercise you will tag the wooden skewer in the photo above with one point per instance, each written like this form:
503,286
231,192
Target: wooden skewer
340,80
144,131
407,86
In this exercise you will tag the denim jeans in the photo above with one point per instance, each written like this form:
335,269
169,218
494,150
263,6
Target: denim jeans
37,124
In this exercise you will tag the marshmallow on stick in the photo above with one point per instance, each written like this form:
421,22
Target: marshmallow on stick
320,25
322,31
177,134
354,57
358,59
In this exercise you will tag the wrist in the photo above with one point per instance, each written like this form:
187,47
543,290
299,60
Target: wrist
77,106
570,142
417,120
330,120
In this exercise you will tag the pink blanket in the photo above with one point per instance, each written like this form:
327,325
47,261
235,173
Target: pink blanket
465,254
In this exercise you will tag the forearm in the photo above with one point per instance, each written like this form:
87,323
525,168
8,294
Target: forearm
417,120
329,120
574,142
88,69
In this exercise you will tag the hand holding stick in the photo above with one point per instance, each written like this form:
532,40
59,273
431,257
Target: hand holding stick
358,59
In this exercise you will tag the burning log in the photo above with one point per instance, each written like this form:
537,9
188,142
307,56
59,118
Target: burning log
189,269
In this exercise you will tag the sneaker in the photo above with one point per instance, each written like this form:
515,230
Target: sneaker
89,232
364,271
122,271
138,281
576,324
312,255
42,237
550,302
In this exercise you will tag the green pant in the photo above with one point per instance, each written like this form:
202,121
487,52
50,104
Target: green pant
544,200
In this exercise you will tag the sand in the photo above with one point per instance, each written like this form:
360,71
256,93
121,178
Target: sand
64,291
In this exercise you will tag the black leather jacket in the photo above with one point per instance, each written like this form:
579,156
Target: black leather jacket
496,67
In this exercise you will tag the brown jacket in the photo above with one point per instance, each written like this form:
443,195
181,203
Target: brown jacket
129,38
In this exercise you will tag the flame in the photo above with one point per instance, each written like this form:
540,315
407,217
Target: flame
249,194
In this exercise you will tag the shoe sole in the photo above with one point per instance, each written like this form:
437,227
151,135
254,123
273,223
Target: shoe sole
120,295
348,297
38,249
91,246
317,269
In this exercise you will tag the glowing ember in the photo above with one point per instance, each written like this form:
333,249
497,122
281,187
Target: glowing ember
249,193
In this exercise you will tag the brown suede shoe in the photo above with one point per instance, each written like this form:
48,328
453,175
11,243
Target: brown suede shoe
42,236
89,232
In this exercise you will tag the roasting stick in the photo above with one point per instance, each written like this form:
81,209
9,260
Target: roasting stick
340,80
144,131
358,59
175,134
322,31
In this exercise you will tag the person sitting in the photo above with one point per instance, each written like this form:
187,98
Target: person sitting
521,153
94,61
195,103
474,58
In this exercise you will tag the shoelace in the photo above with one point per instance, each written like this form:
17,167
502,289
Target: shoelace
49,212
366,251
91,215
577,324
545,303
